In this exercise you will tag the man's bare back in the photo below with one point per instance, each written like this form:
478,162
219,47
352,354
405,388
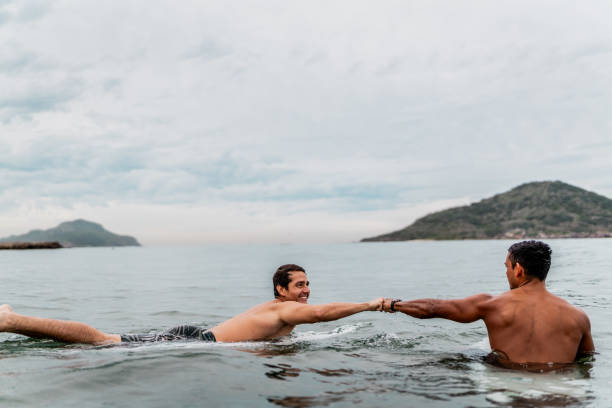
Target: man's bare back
258,323
531,325
527,324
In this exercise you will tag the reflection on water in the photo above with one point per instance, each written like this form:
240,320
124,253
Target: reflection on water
439,379
305,402
500,359
535,385
281,371
548,400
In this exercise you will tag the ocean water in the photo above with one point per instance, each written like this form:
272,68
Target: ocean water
370,359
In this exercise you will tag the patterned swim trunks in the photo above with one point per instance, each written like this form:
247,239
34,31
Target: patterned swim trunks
176,333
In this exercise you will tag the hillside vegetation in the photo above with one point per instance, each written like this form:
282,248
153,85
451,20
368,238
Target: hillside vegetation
536,210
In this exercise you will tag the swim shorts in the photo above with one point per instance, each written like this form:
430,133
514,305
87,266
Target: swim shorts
176,333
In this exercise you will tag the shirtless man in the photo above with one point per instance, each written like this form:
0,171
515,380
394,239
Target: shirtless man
268,320
527,324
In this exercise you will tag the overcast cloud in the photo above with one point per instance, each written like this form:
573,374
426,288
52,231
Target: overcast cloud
276,121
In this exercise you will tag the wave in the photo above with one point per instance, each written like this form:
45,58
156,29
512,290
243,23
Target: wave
315,335
482,344
295,339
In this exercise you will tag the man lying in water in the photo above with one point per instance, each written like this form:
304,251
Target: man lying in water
527,324
268,320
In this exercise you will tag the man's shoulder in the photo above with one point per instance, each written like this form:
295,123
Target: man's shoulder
573,315
547,300
267,306
284,303
560,302
287,304
480,299
575,311
493,303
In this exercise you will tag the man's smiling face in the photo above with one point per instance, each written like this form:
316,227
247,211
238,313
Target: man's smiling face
298,289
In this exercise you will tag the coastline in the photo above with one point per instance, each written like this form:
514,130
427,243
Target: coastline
30,245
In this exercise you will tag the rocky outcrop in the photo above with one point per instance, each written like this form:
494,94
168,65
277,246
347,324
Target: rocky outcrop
30,245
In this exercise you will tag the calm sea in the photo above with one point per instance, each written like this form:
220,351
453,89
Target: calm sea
370,359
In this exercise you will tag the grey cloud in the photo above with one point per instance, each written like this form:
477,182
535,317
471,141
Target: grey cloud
24,11
316,57
37,100
111,84
59,169
15,62
34,9
592,49
207,51
393,66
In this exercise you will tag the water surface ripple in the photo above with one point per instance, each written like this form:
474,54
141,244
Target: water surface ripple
371,359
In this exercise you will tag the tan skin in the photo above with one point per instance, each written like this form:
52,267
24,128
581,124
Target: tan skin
528,324
279,317
266,321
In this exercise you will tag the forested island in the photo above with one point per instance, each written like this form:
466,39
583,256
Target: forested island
549,209
78,233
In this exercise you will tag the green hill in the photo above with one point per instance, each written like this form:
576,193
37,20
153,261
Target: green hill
78,233
549,209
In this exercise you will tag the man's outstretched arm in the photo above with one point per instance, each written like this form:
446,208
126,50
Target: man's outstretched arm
465,310
294,313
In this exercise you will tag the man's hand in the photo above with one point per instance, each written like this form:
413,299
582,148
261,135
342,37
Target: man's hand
386,306
376,304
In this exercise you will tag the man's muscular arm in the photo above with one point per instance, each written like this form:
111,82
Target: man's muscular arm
465,310
586,347
294,313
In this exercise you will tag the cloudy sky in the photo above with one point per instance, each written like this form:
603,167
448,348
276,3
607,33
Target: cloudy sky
277,121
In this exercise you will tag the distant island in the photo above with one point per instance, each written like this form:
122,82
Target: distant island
549,209
78,233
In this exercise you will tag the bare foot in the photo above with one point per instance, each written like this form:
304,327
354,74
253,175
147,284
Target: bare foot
5,310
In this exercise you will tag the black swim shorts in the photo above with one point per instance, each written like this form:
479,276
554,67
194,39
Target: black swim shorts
176,333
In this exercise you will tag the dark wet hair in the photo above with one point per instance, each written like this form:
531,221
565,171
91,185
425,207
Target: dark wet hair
534,256
282,277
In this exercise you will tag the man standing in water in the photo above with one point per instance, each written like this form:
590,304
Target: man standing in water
527,324
266,321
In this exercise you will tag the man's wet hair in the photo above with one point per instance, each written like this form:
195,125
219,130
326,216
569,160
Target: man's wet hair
534,257
282,276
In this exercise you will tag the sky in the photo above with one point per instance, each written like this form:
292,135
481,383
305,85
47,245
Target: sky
271,121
